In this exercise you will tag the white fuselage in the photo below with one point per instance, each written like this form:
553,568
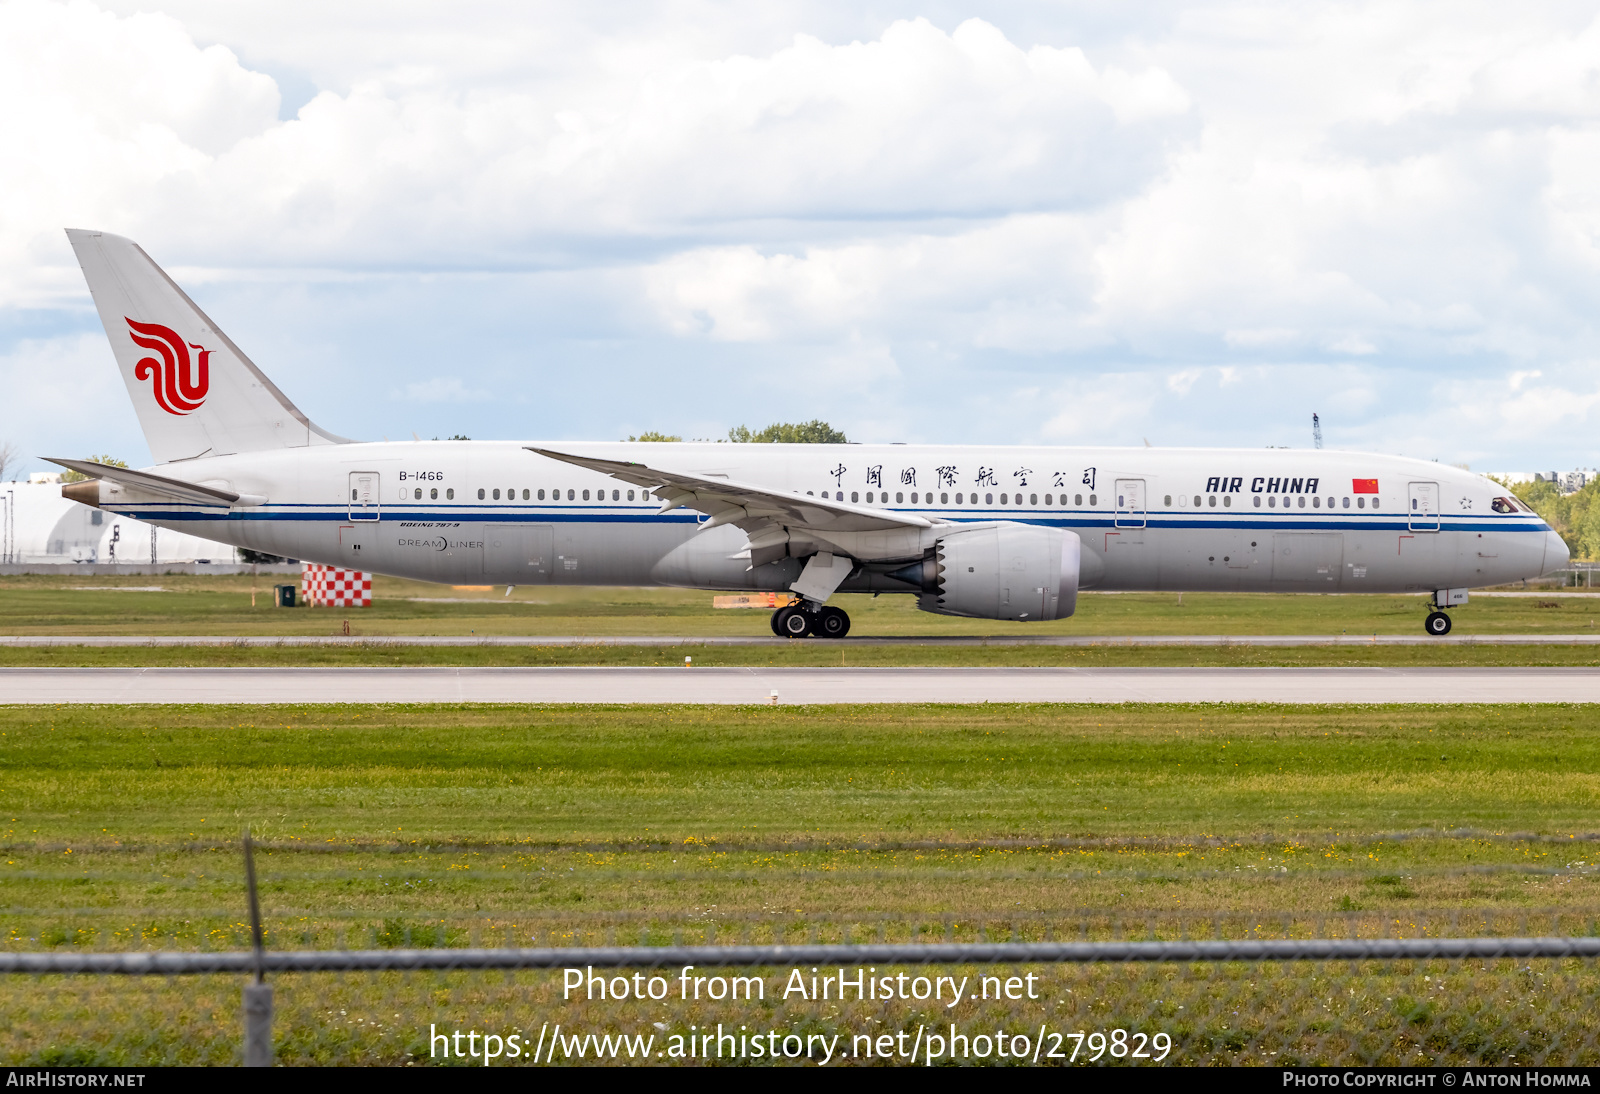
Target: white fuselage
1154,519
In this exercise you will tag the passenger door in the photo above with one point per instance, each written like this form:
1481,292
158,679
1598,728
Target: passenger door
363,495
1130,503
1424,514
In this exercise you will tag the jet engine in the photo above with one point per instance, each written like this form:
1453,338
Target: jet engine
999,571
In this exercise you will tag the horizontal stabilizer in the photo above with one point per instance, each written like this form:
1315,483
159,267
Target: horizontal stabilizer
144,481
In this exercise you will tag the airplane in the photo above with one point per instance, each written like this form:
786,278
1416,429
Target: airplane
981,531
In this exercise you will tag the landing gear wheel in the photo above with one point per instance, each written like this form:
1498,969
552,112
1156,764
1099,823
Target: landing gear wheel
777,628
792,623
1438,624
831,623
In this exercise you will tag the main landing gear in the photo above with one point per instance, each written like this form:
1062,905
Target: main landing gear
1437,624
803,620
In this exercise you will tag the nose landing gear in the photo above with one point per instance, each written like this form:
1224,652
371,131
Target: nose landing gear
798,622
1437,624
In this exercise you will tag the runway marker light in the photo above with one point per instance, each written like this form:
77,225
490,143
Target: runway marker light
774,699
688,662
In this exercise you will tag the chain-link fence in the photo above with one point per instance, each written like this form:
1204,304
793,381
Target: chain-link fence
1067,987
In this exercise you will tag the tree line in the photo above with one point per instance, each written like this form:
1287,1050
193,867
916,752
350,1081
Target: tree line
812,432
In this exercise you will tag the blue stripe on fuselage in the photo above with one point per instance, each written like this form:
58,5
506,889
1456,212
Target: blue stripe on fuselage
595,515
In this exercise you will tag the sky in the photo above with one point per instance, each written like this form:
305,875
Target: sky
1015,222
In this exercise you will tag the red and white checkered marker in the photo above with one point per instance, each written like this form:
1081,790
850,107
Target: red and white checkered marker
333,587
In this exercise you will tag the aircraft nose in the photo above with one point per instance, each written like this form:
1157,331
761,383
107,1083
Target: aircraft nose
1556,555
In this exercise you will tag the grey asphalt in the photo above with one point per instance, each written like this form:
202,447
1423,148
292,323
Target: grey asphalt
799,685
656,640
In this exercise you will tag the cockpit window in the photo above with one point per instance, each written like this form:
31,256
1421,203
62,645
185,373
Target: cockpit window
1511,505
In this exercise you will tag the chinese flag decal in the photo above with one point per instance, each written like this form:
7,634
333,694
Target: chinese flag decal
1363,486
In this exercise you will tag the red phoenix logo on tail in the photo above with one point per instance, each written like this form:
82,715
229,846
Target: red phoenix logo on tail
180,385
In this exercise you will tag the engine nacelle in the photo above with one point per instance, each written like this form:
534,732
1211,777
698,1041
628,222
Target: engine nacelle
1000,571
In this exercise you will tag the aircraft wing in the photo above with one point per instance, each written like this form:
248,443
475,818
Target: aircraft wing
189,492
729,501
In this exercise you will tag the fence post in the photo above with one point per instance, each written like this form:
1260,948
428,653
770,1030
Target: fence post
258,1025
257,995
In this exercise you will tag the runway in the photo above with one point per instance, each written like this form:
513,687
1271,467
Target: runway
659,640
800,685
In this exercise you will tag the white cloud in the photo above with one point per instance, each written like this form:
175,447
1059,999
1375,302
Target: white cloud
67,400
441,389
1123,229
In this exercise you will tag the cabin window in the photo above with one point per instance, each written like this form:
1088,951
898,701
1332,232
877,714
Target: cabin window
1361,503
899,498
1094,499
416,495
1347,503
1227,503
586,495
854,496
1258,501
988,499
838,495
1033,499
450,493
1077,499
480,493
958,498
433,495
1302,501
944,499
630,495
1272,502
572,495
527,495
1213,501
1165,501
497,493
1002,499
541,495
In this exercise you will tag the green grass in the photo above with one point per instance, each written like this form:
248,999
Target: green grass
559,776
221,606
452,825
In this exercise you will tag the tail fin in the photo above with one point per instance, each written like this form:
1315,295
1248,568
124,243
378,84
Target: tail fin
196,392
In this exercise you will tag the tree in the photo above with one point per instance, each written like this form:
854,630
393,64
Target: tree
812,432
78,476
652,435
